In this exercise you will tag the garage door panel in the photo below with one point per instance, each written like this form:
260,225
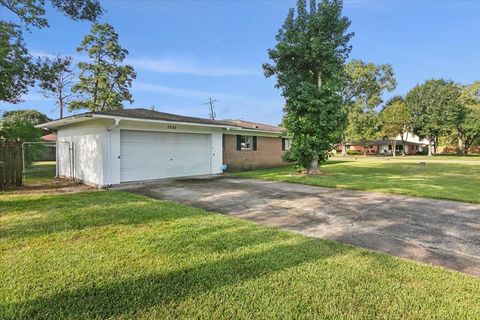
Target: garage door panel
153,155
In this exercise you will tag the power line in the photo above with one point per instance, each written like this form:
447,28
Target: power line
212,109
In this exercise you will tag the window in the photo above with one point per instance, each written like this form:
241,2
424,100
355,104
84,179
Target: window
246,143
286,144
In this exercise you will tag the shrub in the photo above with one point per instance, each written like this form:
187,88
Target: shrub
353,152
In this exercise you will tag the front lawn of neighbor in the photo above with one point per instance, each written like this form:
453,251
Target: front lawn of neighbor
453,178
108,254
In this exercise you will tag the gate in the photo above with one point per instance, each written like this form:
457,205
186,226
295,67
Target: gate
39,162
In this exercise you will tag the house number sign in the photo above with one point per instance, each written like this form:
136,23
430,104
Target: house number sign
171,127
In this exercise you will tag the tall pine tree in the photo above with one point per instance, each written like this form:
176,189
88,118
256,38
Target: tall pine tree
104,82
308,61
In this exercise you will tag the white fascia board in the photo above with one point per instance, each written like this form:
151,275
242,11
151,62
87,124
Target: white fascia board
242,131
76,119
63,122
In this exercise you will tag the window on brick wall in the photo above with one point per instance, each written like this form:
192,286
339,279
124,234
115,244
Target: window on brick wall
246,143
286,144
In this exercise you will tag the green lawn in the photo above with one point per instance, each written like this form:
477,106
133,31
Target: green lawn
108,254
453,178
40,172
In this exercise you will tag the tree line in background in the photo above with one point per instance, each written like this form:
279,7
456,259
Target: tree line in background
437,110
328,100
100,81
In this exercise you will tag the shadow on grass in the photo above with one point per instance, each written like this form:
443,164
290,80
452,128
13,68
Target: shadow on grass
60,213
128,297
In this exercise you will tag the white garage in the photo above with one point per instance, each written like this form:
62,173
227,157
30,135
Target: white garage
148,155
117,146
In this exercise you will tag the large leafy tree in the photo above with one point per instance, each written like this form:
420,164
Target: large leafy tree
363,126
20,124
434,107
104,82
56,80
395,120
308,60
364,87
17,70
32,12
468,124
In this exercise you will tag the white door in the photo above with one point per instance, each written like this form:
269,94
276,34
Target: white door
146,155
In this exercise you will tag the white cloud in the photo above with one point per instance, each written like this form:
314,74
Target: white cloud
189,67
142,86
229,106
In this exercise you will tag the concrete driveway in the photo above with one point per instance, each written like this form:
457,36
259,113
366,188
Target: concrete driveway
437,232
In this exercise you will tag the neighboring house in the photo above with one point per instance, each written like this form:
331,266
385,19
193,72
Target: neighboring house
111,147
52,137
411,143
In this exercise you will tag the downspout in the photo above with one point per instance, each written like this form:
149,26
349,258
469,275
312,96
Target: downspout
109,163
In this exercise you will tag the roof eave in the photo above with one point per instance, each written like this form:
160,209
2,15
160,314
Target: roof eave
85,117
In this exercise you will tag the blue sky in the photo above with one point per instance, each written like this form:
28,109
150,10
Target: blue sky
187,51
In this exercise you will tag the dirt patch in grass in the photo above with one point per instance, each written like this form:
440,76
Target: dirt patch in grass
54,186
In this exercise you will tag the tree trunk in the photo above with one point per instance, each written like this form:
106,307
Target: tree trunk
403,141
394,148
429,147
344,148
313,169
460,146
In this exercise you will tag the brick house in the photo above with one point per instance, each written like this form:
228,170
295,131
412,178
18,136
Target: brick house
250,145
411,144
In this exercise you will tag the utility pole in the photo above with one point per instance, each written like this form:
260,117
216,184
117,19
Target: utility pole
212,111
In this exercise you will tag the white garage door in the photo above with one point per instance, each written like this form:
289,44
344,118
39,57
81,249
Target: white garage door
146,155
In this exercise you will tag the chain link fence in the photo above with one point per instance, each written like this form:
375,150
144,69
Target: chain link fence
39,162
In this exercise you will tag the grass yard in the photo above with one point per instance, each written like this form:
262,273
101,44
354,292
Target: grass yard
108,254
452,178
40,172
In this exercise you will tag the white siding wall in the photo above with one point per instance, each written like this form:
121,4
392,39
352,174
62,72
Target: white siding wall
97,150
113,137
87,140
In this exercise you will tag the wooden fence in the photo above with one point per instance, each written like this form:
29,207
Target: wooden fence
11,164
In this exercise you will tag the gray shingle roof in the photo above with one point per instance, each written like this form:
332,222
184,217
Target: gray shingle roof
141,113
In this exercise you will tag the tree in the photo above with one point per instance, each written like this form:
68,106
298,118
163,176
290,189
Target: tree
434,108
17,73
365,85
395,119
468,124
29,115
104,83
20,124
363,126
32,12
308,60
56,80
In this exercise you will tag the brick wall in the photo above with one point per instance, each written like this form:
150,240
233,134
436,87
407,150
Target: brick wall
268,154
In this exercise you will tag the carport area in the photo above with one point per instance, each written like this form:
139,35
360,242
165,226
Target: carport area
431,231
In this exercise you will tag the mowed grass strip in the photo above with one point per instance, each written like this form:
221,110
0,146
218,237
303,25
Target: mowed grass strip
458,180
110,254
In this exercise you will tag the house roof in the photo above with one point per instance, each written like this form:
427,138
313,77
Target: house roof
52,137
255,125
138,113
153,115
